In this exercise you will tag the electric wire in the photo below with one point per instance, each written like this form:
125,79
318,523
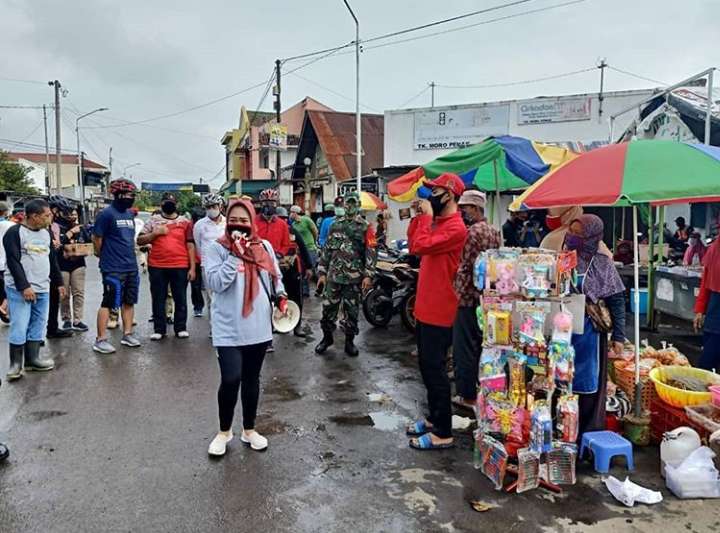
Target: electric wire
638,76
418,95
332,91
520,82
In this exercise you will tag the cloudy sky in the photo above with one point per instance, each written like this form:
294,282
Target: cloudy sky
149,59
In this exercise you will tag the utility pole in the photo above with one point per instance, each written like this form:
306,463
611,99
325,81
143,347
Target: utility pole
47,152
109,176
432,94
602,66
58,162
277,116
358,116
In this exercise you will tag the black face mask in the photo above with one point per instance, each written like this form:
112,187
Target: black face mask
438,203
242,228
168,207
467,219
268,210
121,204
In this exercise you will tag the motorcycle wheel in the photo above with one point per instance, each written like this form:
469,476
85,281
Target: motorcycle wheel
377,313
407,312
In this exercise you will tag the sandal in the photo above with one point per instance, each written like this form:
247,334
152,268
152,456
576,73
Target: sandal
416,429
425,443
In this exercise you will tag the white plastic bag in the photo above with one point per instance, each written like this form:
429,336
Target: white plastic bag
628,492
695,477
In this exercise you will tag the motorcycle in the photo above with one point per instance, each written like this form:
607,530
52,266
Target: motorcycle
393,291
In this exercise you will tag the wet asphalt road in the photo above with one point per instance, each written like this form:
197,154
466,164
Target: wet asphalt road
119,443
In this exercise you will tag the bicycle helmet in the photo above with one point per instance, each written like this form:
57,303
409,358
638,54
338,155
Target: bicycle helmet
269,195
60,203
122,186
212,199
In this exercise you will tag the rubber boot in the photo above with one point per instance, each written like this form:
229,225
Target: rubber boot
325,343
32,358
16,362
350,347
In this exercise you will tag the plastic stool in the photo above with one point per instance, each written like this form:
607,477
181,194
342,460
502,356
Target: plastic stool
605,445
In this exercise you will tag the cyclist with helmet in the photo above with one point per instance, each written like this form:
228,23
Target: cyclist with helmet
60,208
207,230
114,239
270,227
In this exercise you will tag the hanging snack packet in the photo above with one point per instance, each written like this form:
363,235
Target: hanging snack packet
540,427
528,470
561,461
517,392
568,417
495,464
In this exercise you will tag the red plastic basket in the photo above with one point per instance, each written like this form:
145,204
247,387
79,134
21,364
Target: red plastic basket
664,417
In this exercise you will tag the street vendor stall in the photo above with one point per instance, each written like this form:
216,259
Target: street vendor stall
675,290
639,172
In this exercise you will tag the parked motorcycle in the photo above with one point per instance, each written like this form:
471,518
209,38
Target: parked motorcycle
393,291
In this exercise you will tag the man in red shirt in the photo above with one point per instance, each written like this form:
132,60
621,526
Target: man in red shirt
171,262
437,234
270,227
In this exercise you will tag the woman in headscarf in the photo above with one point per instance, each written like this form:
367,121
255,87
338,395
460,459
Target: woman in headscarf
695,252
707,308
243,273
558,222
597,280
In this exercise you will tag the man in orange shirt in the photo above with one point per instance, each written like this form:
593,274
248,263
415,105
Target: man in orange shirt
171,262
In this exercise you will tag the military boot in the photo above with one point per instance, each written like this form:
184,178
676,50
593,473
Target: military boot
350,347
325,343
16,362
33,360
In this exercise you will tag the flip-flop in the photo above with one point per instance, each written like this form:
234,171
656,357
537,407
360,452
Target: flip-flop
416,429
425,443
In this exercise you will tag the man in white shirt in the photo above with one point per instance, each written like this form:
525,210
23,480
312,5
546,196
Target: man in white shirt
208,229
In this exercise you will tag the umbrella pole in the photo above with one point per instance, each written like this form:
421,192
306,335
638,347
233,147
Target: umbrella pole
651,265
636,247
497,196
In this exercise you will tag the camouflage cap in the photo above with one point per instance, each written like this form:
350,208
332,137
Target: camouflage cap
352,196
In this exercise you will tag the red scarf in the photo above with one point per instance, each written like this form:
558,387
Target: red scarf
711,262
254,256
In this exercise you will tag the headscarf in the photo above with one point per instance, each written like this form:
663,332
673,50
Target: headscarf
556,238
255,257
711,262
696,249
602,279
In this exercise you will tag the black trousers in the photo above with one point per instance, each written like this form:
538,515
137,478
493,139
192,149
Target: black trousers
467,343
196,287
292,280
160,278
52,325
433,343
240,366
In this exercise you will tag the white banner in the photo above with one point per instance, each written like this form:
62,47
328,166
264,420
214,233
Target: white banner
542,111
457,128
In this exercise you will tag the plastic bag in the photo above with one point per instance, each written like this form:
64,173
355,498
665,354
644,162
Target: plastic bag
695,477
628,492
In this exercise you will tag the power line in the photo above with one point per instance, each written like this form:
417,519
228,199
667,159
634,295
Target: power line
25,107
401,106
24,81
331,91
638,76
32,132
408,30
521,82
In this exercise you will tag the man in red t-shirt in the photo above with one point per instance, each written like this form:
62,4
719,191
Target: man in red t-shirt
171,262
269,226
436,234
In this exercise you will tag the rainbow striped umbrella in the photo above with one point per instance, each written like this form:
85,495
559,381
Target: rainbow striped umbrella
636,172
497,164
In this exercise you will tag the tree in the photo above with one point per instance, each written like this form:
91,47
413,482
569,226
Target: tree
14,177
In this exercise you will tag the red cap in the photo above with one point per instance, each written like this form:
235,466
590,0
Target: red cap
449,181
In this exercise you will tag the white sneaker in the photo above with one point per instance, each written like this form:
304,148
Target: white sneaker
156,336
256,441
219,444
182,334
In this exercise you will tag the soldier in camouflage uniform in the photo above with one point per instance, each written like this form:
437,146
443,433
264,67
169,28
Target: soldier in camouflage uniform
345,269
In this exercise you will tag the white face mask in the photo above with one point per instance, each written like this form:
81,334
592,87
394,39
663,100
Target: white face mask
213,213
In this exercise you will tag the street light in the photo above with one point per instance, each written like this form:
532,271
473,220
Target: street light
79,153
358,128
129,166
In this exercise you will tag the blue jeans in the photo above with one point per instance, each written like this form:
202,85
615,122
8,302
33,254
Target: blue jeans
28,320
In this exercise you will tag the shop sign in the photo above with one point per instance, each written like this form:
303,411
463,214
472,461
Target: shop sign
547,111
449,129
348,187
278,136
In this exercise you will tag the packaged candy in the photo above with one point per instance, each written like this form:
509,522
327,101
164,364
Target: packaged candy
561,461
568,418
495,461
528,470
479,271
498,326
516,390
498,414
562,327
540,427
563,358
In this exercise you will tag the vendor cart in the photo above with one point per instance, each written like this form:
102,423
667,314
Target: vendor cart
675,292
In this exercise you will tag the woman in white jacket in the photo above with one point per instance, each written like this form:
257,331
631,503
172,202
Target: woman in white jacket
243,274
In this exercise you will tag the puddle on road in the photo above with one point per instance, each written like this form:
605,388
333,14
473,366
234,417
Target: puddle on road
352,420
378,419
